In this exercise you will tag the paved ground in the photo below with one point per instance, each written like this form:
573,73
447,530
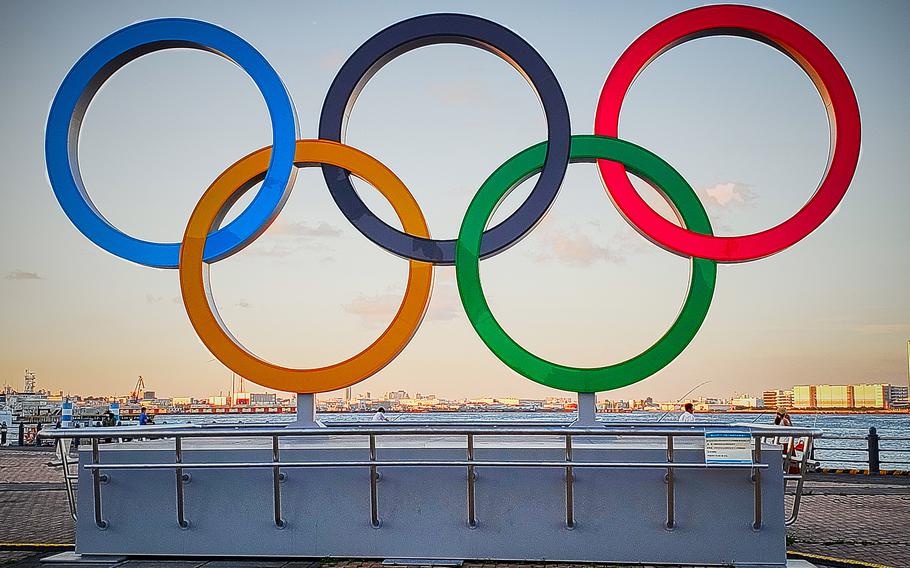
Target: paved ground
854,517
18,466
873,528
34,561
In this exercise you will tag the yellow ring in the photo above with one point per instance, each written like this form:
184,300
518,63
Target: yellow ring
194,281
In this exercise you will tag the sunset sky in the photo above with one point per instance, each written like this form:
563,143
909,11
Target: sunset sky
741,122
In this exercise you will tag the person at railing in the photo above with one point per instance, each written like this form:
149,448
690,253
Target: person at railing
143,417
688,414
792,449
783,417
108,419
380,415
74,443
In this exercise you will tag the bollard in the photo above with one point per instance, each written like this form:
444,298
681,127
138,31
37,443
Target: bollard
21,434
874,462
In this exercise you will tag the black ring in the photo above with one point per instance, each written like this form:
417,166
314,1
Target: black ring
429,30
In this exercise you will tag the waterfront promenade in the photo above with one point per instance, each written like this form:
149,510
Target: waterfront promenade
860,518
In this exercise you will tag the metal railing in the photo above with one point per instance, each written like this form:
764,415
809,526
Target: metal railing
101,472
876,452
68,475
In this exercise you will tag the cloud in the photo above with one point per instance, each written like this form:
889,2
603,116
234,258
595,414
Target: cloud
275,251
375,310
153,299
281,250
301,229
242,304
378,310
727,194
573,247
23,275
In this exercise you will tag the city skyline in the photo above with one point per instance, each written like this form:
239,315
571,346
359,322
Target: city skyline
796,397
582,289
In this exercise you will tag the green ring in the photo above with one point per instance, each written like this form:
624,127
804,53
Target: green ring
637,161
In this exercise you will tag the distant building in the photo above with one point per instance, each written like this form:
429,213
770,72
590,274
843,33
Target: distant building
871,396
875,396
778,398
419,402
263,399
898,396
805,396
396,395
746,401
834,396
149,395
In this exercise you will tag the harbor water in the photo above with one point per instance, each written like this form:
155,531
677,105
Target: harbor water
834,451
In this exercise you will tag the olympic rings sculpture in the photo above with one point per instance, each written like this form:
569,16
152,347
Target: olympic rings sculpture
205,241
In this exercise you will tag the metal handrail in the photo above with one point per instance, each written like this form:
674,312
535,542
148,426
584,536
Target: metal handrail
68,476
694,430
422,463
372,432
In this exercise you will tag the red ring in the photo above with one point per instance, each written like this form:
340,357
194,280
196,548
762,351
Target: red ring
801,46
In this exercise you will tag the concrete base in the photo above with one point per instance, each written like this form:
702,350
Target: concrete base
620,514
587,410
306,412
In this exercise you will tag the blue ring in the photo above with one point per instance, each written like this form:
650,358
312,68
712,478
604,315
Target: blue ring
428,30
102,61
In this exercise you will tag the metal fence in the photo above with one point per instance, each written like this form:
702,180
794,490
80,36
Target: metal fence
873,452
794,468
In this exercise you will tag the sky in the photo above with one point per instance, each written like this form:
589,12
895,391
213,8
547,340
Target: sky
738,119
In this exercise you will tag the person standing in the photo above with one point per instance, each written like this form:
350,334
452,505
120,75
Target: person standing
143,417
688,414
3,431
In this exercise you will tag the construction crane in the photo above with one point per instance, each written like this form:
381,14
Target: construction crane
139,391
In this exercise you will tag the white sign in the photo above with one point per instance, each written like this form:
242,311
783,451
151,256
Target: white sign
728,446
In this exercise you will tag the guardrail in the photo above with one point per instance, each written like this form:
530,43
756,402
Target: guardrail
668,433
881,453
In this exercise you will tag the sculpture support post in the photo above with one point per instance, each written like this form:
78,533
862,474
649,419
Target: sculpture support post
306,412
587,409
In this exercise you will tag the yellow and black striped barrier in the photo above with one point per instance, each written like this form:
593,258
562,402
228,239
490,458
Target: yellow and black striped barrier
35,546
843,471
833,560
